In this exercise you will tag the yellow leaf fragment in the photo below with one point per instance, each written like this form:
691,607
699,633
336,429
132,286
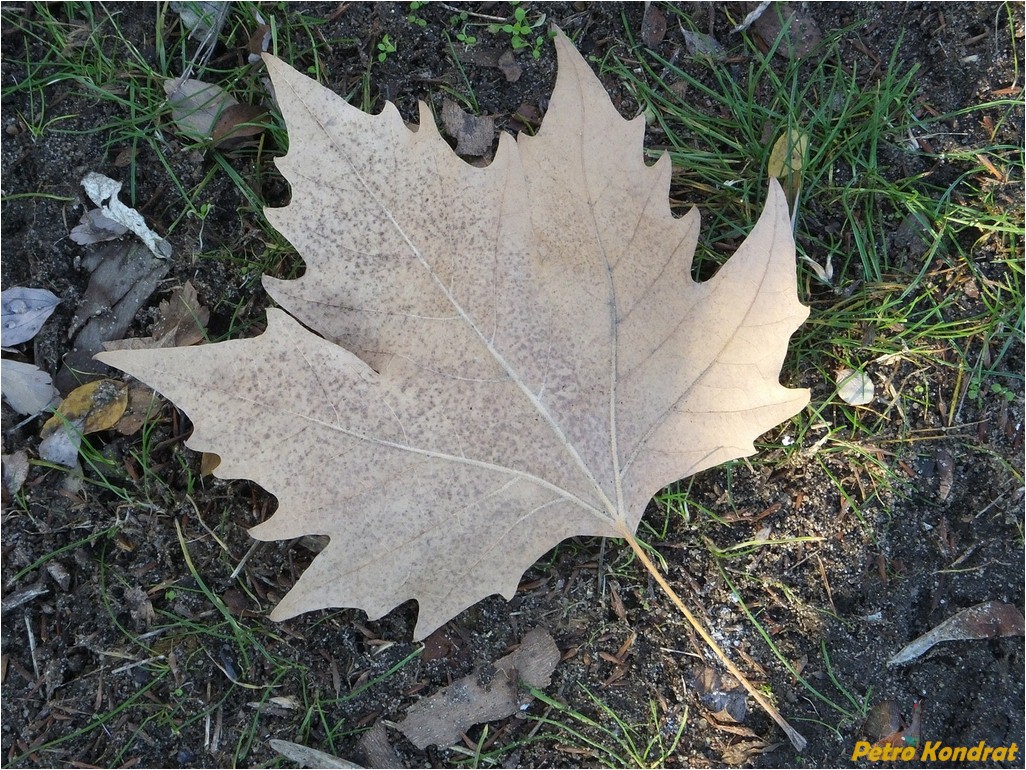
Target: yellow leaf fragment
208,463
788,154
98,405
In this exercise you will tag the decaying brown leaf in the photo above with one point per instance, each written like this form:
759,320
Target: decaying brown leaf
790,28
508,356
473,134
988,620
491,692
143,403
123,275
205,111
181,320
14,468
653,26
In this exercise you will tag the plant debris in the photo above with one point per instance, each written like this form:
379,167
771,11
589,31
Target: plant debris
474,135
103,191
26,388
181,320
24,313
89,408
988,620
123,275
491,692
96,227
854,387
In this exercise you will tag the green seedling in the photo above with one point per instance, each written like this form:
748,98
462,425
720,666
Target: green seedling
385,48
412,16
460,20
521,31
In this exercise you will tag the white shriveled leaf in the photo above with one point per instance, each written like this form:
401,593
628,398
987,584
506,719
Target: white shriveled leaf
103,191
504,356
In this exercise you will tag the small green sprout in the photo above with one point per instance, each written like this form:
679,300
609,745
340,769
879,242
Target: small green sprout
1000,390
412,16
460,20
385,47
521,31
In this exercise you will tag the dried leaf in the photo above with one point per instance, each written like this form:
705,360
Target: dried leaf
142,404
304,756
139,606
883,719
103,191
854,387
181,320
786,161
945,473
376,749
511,355
208,463
15,471
474,135
196,106
24,313
884,725
653,25
236,123
206,112
984,621
490,693
26,387
123,275
99,405
94,227
509,66
788,154
61,447
722,695
742,752
259,42
183,316
202,18
89,408
793,30
703,46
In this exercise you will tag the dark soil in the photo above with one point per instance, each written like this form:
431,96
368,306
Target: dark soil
893,562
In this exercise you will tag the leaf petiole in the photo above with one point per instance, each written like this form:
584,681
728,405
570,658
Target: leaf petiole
797,740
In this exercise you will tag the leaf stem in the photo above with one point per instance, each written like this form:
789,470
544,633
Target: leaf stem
797,740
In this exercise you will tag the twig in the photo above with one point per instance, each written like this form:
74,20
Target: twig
752,17
243,560
32,645
796,738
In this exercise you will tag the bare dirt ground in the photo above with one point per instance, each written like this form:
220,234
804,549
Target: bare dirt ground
90,679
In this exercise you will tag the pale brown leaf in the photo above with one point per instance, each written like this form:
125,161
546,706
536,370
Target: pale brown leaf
491,692
508,356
